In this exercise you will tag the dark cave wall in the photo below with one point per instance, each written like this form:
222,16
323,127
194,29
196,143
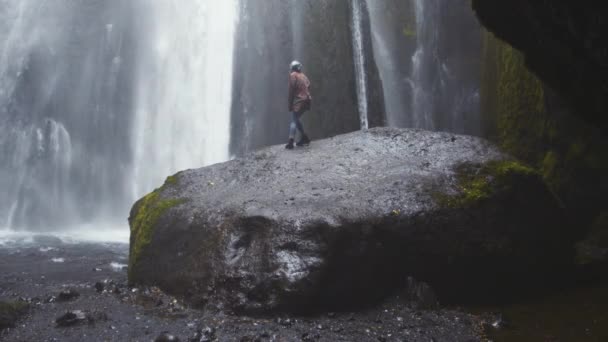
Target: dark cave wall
565,43
536,123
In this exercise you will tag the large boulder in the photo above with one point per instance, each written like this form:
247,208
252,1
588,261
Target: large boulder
344,222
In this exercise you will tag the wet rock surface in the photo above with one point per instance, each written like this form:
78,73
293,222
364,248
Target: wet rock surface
145,314
342,224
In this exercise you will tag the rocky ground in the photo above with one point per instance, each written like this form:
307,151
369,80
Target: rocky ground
78,292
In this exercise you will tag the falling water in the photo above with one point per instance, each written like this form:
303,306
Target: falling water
102,99
359,56
423,61
184,98
390,50
428,54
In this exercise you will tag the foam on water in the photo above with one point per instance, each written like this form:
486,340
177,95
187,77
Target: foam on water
75,235
101,100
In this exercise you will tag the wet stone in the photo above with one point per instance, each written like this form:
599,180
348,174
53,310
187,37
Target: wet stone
67,295
286,322
206,334
99,286
165,336
71,318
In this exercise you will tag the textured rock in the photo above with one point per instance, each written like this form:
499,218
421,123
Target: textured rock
344,222
564,44
534,123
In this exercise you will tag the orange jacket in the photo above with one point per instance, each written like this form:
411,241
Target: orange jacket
299,94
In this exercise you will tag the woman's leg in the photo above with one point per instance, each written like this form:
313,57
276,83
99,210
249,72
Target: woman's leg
295,124
298,123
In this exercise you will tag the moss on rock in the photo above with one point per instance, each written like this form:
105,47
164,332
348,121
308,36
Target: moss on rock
531,122
476,183
144,217
10,312
514,99
172,180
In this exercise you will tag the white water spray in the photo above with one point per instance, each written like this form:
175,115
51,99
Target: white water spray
101,100
183,110
359,56
422,96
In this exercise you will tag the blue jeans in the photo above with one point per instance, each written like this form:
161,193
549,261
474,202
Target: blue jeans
295,124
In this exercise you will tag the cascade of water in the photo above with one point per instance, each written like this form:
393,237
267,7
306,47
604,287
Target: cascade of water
102,99
439,88
391,41
359,56
184,98
423,62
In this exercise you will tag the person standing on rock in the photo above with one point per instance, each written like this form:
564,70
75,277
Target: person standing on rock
299,103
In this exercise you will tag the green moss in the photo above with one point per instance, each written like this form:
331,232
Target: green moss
478,183
148,210
172,180
409,32
516,116
549,166
10,312
531,123
522,118
513,102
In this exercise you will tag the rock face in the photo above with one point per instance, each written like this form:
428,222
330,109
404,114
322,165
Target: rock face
564,44
536,124
344,222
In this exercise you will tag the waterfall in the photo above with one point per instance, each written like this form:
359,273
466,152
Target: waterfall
359,62
184,98
423,63
438,88
100,100
388,43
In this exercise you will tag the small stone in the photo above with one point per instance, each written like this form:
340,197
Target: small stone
284,322
306,337
165,336
71,318
99,286
97,316
204,335
67,295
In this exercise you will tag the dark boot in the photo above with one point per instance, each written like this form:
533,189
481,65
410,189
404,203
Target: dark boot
289,145
304,141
